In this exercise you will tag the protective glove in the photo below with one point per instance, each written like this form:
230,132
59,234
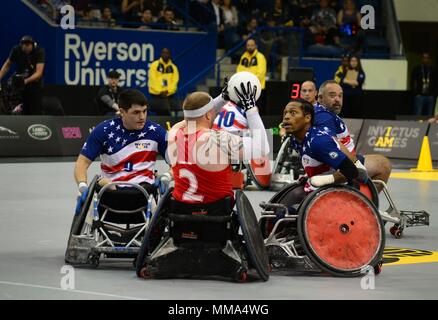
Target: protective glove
164,181
82,197
247,96
363,174
322,180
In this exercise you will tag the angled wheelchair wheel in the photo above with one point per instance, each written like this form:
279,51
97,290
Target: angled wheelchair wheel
281,156
260,172
341,231
149,244
370,191
79,219
255,246
286,195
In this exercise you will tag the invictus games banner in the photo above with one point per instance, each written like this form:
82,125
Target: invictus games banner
354,126
433,141
394,139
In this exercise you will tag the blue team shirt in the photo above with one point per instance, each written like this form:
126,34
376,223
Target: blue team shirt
320,153
126,155
331,123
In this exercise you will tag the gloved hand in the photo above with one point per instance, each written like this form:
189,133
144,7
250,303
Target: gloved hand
363,174
225,95
82,187
82,197
164,181
247,96
321,180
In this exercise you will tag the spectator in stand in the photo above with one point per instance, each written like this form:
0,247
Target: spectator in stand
156,7
424,84
348,21
249,28
215,6
108,96
53,7
255,62
231,22
324,30
132,10
107,18
163,82
301,9
352,83
146,20
89,18
269,39
167,21
246,10
279,12
342,69
323,21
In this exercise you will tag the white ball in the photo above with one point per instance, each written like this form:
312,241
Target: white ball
243,77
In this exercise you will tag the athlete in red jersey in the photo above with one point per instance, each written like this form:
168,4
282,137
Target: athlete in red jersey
201,157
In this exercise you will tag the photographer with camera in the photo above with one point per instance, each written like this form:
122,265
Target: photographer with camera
29,60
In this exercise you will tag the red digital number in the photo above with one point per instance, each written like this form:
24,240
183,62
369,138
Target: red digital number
295,93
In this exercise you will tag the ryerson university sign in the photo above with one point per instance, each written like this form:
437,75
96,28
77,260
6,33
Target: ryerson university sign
88,62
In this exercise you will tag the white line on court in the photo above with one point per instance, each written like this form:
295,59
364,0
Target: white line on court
72,291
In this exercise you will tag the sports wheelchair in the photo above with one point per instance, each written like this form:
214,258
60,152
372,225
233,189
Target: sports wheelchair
255,171
288,169
335,229
110,223
203,241
287,166
401,219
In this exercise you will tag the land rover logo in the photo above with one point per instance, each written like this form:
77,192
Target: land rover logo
39,132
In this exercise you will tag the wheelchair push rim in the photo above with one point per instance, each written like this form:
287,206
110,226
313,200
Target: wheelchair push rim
145,249
78,220
282,197
341,231
254,243
370,191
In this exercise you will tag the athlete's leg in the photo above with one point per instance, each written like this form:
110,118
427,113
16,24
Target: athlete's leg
378,167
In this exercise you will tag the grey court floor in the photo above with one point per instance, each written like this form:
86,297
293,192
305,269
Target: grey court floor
36,208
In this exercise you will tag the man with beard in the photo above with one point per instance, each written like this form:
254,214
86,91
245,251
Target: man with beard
327,110
325,160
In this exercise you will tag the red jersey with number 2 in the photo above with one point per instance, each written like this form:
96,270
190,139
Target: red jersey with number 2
194,184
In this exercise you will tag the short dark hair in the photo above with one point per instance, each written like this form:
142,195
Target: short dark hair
307,108
27,39
131,96
113,74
